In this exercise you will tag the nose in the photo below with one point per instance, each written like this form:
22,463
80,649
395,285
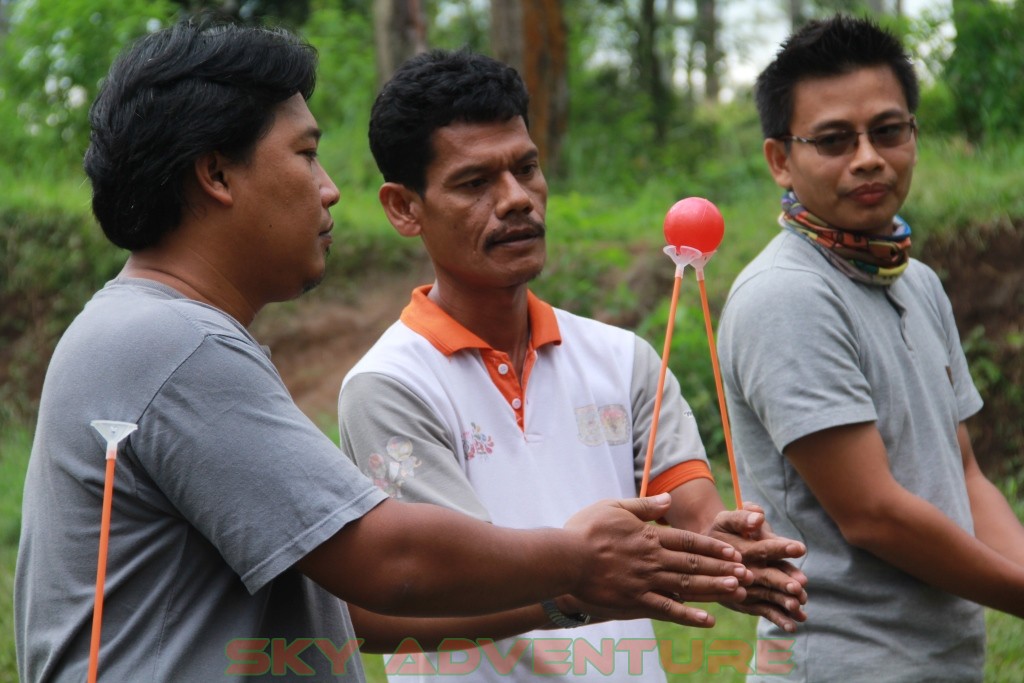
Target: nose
512,196
865,156
329,192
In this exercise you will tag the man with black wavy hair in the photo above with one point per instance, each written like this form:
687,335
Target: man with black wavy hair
485,399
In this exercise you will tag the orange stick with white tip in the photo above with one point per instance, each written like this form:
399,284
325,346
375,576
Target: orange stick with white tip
726,431
661,385
113,432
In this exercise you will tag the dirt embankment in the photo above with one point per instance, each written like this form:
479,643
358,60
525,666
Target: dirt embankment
316,339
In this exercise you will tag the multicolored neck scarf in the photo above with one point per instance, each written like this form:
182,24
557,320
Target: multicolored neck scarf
871,259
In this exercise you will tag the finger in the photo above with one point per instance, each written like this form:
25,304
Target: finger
771,549
775,578
791,604
752,507
648,509
781,619
697,544
665,608
708,588
743,523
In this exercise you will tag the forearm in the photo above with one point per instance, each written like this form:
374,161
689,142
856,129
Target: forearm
918,538
382,634
695,505
874,512
420,544
995,523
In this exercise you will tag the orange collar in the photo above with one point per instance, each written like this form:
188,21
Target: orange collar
427,319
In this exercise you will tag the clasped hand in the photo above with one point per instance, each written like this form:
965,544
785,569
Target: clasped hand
640,570
777,592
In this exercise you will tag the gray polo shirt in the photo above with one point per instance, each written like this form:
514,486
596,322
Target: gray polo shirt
803,349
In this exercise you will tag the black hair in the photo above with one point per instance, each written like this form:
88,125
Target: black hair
199,86
430,91
829,47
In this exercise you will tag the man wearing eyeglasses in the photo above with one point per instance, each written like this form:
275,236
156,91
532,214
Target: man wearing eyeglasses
847,384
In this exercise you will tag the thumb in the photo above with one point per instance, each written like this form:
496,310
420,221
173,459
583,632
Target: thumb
647,509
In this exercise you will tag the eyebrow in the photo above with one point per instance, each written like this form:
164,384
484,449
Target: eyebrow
844,124
463,173
311,132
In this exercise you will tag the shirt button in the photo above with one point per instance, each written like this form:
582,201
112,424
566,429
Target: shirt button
502,369
516,403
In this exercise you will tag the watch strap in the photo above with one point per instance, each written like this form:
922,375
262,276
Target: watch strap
562,620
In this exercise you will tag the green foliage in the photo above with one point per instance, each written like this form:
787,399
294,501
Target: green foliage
51,65
957,184
690,361
984,69
15,444
52,257
458,23
346,88
996,362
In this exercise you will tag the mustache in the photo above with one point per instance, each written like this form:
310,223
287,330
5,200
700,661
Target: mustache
520,229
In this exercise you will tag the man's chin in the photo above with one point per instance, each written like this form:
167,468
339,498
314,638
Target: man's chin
313,284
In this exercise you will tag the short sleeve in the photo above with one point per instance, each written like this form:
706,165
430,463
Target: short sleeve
232,454
789,351
400,444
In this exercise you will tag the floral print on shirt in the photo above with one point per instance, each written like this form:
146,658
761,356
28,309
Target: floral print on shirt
475,442
391,470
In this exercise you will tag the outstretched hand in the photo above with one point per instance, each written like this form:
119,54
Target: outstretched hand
777,592
638,570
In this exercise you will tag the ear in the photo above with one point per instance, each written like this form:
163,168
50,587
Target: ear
212,178
402,207
777,156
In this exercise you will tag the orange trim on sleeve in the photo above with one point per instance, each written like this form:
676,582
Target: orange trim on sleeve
679,475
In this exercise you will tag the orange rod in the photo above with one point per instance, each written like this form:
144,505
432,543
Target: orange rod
721,394
661,385
101,568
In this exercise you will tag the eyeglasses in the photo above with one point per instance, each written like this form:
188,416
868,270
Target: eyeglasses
843,142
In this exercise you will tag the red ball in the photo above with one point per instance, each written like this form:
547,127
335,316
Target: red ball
696,223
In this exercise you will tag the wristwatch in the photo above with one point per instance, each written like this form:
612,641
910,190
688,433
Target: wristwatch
562,620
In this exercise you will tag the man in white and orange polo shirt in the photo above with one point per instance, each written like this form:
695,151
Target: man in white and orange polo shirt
484,399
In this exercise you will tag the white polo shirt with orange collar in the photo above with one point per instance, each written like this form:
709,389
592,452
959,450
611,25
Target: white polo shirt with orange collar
433,414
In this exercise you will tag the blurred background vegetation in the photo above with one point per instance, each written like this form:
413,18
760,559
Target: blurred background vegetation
635,104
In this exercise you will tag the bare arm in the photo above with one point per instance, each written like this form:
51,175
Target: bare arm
874,512
995,523
382,633
777,592
421,560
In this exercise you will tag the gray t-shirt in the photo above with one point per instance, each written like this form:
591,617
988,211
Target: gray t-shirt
224,486
804,349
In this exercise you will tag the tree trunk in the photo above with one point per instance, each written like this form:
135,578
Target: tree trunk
399,32
796,14
707,34
652,72
530,36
